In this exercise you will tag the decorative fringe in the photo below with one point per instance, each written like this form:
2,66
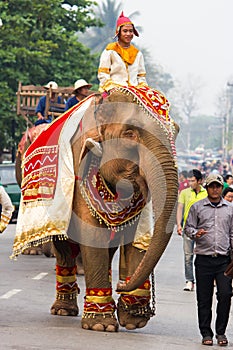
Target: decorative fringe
66,296
95,314
135,309
35,243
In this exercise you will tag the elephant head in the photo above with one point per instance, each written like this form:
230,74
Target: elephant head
137,154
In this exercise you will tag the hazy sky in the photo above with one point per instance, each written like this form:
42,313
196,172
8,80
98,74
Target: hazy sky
188,37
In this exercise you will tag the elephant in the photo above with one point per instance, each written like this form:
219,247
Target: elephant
124,164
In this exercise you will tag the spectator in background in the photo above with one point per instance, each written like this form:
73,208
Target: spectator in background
226,166
7,209
228,181
183,181
224,171
81,91
187,197
40,109
227,194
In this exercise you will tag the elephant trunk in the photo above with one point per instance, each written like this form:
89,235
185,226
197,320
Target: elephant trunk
164,197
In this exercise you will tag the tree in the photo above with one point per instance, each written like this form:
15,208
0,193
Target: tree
38,43
185,97
155,75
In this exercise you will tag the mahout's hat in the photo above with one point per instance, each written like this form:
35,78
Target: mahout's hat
81,83
122,20
51,84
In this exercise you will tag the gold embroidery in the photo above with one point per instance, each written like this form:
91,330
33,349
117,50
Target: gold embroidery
104,70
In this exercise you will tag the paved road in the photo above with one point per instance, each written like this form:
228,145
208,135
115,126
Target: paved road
27,290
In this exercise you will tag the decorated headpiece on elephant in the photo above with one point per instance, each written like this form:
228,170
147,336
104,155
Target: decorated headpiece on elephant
105,165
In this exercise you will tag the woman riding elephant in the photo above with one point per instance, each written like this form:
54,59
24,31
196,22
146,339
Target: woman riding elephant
121,63
94,170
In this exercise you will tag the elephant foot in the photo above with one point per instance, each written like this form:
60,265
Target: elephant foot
133,316
104,322
65,308
33,251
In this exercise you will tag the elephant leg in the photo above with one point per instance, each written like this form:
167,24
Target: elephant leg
66,285
79,261
133,309
99,306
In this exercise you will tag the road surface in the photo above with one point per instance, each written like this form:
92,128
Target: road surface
27,291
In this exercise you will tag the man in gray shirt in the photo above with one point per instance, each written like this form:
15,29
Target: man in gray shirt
210,224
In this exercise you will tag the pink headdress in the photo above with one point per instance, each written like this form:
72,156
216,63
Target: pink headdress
122,20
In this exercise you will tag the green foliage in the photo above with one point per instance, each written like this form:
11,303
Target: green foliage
38,43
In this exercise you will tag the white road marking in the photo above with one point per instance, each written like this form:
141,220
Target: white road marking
40,276
10,293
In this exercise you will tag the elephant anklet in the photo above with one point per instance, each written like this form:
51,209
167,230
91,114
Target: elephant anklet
134,307
66,285
99,310
67,291
99,301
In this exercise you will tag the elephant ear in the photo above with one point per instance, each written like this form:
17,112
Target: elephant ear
90,138
90,145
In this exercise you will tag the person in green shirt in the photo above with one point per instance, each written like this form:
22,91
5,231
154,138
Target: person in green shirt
228,181
186,199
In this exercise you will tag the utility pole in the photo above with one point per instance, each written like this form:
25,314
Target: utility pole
228,115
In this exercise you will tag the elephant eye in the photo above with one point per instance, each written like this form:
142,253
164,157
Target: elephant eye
130,134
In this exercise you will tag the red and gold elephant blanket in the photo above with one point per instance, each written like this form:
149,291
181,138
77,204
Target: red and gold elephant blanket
48,182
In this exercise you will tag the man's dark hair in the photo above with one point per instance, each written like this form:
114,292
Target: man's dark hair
228,176
195,173
184,173
226,190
